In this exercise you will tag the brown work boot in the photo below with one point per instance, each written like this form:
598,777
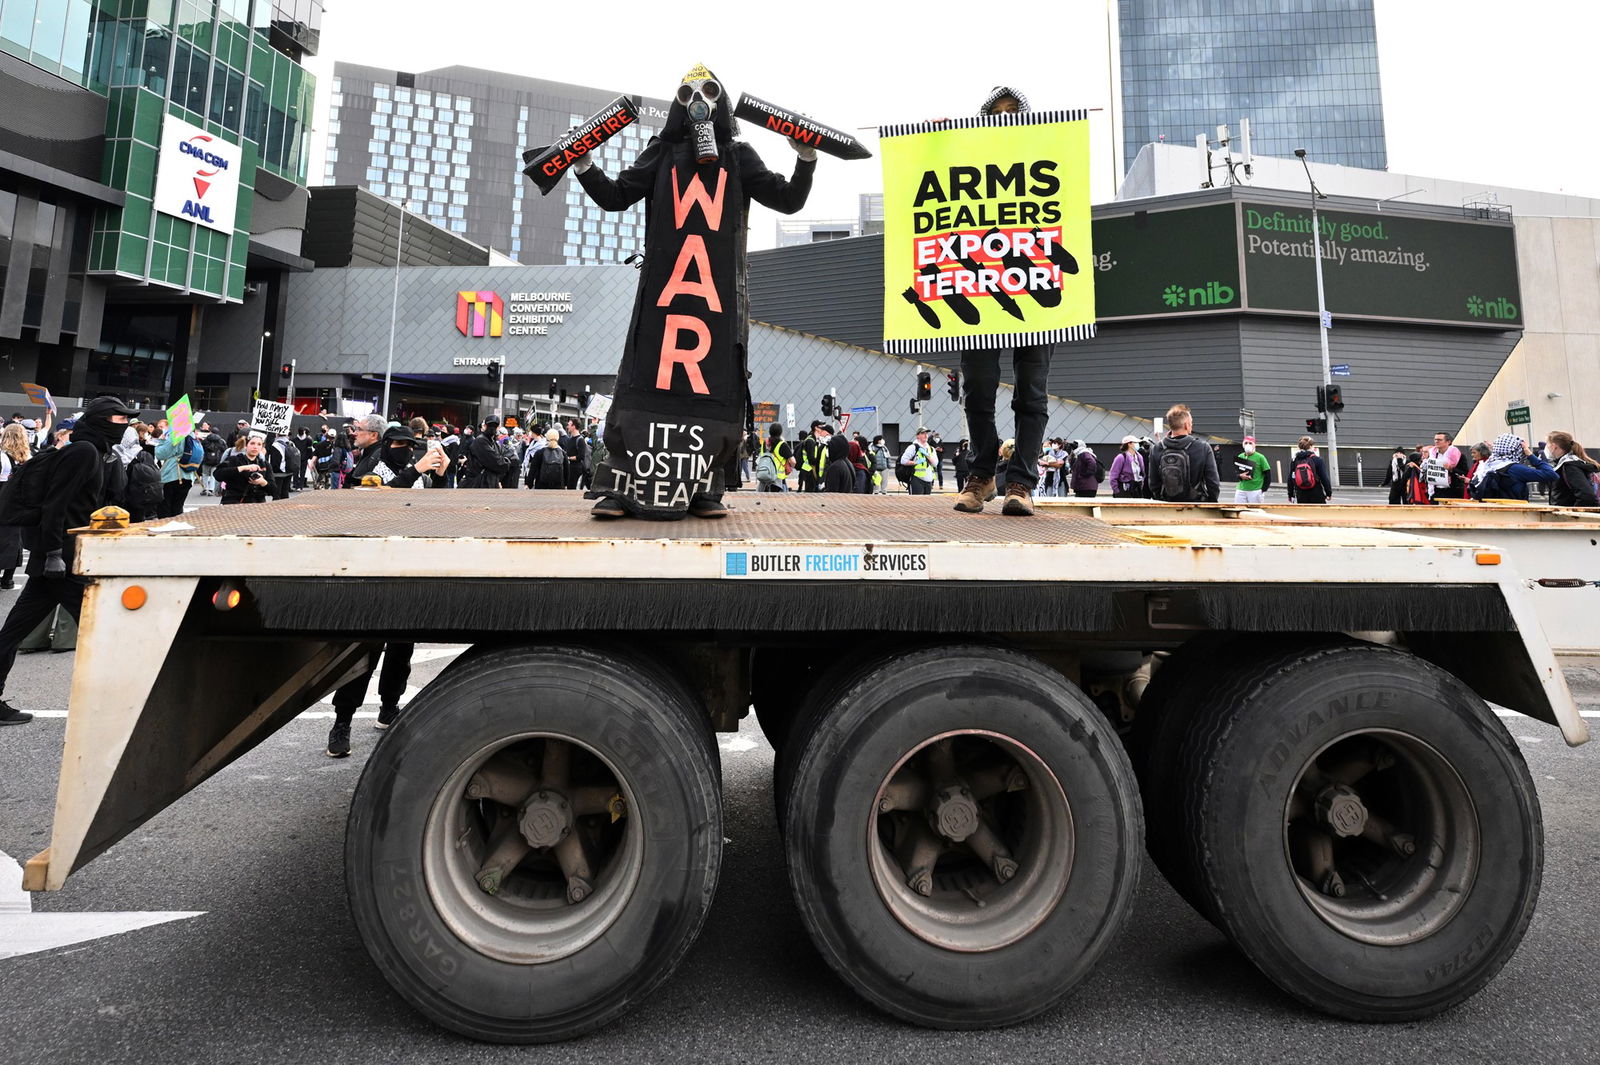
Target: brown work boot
1019,501
979,490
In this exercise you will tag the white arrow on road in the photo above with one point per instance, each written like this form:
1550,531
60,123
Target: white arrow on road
24,932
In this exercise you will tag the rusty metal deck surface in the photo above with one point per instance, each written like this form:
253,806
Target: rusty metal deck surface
522,515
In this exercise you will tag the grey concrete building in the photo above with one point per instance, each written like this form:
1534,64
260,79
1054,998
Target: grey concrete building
449,143
561,329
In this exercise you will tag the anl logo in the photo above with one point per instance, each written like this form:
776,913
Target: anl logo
1212,294
1498,308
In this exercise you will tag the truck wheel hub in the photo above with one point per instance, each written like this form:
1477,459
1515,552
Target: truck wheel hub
546,819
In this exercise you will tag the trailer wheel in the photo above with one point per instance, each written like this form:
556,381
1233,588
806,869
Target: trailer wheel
1364,829
1195,676
534,846
963,836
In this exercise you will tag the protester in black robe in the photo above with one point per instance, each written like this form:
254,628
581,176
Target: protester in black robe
682,395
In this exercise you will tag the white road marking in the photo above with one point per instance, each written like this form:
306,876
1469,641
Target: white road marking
24,932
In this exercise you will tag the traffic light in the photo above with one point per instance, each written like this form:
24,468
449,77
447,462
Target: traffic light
494,372
553,387
563,395
914,409
953,384
924,386
827,405
584,398
1316,425
285,371
1330,398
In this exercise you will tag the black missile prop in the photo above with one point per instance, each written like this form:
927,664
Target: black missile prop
792,124
544,166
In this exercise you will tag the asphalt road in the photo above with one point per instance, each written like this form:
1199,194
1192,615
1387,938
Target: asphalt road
272,969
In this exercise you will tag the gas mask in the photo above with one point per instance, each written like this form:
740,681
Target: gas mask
700,94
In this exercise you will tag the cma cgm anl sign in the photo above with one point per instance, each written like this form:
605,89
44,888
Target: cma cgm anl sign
197,176
481,313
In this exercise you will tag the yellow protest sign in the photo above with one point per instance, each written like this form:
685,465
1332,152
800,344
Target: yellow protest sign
987,242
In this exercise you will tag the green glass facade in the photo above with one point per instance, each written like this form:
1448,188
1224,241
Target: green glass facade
219,65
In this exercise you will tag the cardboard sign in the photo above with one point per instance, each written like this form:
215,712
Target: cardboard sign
598,406
39,394
180,416
270,417
798,127
545,166
987,240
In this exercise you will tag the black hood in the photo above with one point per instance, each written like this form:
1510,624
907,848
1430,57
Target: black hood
95,426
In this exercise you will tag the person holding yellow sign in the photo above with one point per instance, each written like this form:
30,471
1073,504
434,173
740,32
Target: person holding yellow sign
986,220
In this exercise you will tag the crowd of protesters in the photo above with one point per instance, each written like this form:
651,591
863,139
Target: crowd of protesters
150,469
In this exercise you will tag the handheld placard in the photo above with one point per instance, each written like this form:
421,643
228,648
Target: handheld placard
544,166
793,124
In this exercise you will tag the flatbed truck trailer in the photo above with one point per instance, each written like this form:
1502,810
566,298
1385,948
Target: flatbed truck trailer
981,725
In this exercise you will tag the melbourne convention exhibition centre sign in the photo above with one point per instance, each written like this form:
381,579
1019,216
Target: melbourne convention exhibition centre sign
1259,257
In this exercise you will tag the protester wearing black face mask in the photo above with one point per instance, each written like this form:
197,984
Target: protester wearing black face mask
391,455
68,487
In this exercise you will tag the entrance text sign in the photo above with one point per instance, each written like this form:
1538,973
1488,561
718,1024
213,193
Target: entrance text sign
987,241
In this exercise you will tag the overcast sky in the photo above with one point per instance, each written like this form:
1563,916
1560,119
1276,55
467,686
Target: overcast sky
1473,90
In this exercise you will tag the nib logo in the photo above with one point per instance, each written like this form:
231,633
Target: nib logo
1498,308
1211,294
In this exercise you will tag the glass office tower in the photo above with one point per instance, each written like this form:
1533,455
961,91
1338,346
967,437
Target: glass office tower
104,278
1304,72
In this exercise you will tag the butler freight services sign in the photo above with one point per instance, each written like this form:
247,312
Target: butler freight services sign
197,176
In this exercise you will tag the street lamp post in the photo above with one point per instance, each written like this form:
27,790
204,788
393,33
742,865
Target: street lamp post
261,355
394,310
1322,320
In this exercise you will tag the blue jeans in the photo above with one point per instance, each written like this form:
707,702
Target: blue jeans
1029,405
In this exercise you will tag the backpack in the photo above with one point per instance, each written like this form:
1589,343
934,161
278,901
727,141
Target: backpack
1174,482
1490,487
143,488
766,468
212,448
114,480
880,458
551,468
190,458
1304,475
1095,471
22,496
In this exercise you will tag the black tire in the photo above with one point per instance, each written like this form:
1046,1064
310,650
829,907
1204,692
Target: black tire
1404,935
654,887
1164,714
1049,933
1196,682
814,706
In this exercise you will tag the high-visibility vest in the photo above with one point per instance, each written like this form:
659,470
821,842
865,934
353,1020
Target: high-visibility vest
923,468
